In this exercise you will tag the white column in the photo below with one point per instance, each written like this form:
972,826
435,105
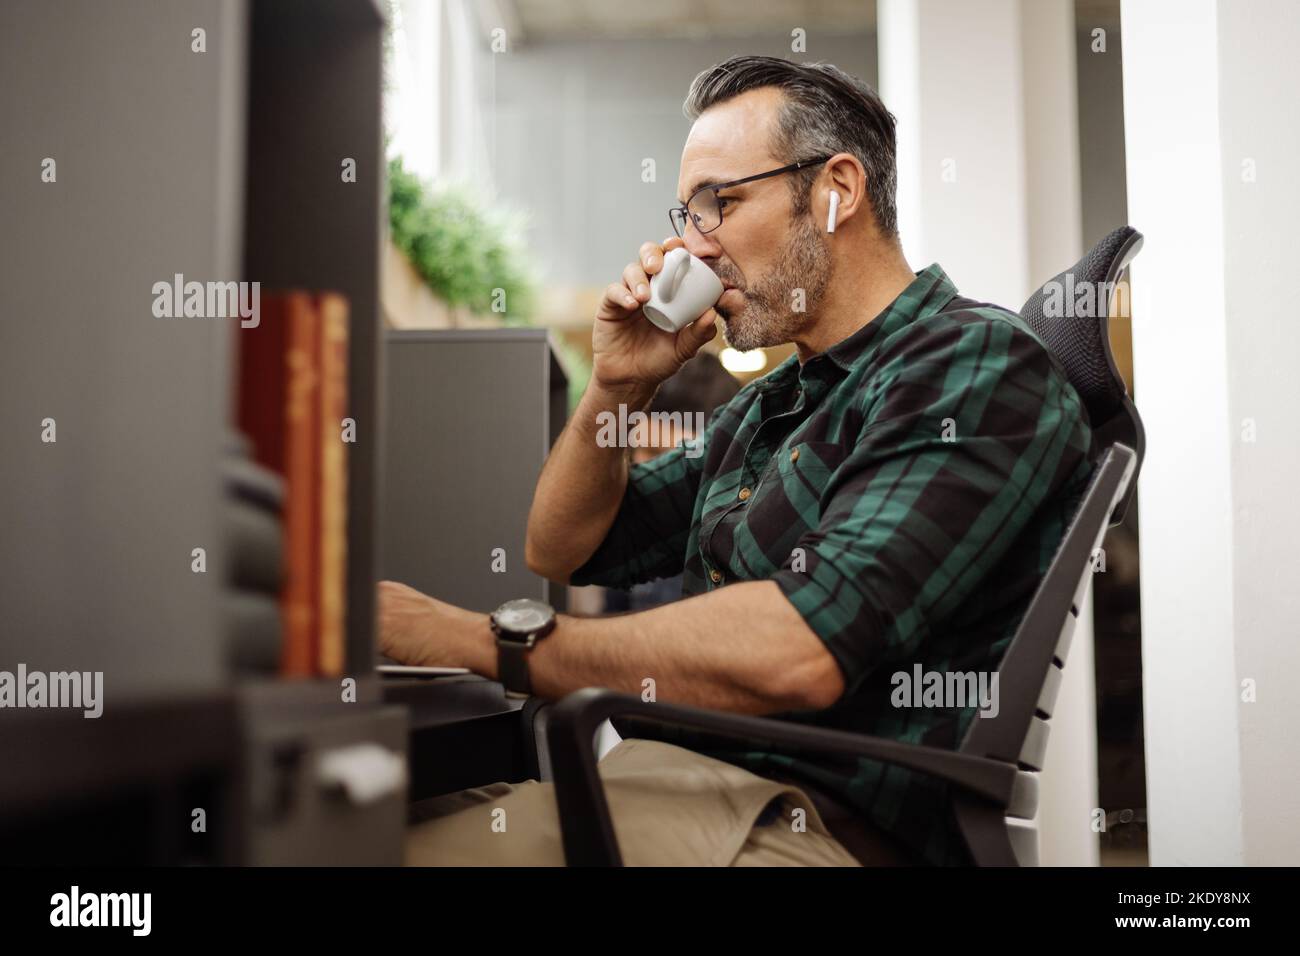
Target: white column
1211,142
1067,793
984,93
985,96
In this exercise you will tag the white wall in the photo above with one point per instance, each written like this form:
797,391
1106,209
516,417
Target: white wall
952,74
1205,88
574,121
1260,122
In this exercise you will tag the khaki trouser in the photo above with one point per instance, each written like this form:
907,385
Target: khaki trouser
670,807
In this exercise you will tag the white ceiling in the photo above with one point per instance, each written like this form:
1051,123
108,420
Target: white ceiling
541,20
593,19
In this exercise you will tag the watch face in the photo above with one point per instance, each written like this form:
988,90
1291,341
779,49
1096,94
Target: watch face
523,616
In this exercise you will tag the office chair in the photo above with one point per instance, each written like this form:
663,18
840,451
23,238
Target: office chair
993,775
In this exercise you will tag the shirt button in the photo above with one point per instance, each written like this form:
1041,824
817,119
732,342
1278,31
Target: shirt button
794,454
715,575
744,494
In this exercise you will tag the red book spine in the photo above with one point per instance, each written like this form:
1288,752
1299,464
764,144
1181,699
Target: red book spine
259,409
302,480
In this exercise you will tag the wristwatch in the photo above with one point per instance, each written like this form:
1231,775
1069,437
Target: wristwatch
518,626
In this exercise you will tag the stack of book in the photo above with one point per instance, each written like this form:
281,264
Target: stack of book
292,403
252,505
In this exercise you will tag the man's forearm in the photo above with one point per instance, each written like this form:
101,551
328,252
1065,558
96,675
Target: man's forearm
742,648
580,488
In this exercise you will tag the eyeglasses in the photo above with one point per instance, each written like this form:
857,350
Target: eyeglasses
704,208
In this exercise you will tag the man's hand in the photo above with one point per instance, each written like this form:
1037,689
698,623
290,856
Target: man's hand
629,354
416,629
585,476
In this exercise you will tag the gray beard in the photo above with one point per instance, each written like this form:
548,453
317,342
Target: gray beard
768,317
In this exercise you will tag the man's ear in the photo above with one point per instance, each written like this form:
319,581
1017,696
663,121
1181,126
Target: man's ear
844,188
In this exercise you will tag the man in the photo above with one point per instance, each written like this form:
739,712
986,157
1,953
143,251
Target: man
887,497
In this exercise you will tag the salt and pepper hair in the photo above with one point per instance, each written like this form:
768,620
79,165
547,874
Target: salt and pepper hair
826,111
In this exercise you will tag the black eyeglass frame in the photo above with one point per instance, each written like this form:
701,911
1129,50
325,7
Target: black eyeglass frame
685,209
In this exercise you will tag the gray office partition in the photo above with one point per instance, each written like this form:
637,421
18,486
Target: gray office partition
469,416
114,180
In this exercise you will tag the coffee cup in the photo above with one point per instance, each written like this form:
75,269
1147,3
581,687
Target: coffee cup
682,291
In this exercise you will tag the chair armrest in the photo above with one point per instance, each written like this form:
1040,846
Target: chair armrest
585,823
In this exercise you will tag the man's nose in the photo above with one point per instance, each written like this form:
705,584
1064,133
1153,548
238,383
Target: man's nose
702,246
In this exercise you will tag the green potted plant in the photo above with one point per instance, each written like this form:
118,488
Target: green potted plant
470,255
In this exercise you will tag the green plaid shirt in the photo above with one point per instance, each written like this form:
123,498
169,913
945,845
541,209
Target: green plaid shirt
906,489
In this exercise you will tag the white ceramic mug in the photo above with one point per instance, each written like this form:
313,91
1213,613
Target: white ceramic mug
682,291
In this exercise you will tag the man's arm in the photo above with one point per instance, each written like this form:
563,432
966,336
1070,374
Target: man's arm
582,484
743,648
580,487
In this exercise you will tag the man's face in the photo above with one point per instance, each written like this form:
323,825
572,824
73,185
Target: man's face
776,266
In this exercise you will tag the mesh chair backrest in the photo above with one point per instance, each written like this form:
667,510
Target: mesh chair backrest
1071,313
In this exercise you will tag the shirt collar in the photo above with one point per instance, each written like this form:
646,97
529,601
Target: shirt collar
927,294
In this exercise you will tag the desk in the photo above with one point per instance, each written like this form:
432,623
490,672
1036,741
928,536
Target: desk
465,732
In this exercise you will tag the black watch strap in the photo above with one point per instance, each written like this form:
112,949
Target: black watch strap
512,666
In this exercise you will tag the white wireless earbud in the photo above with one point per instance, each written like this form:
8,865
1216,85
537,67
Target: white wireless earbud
835,207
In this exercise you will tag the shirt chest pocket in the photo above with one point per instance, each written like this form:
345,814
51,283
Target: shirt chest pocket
788,503
810,459
804,469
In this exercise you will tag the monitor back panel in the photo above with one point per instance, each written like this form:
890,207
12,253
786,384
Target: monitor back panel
469,417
